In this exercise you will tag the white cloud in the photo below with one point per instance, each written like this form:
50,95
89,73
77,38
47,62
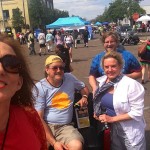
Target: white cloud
145,2
88,9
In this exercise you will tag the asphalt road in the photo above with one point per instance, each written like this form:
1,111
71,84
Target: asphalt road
81,63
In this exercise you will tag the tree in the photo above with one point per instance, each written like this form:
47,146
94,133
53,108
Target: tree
132,6
17,20
138,0
36,12
40,15
119,9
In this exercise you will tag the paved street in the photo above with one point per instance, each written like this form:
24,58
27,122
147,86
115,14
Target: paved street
81,63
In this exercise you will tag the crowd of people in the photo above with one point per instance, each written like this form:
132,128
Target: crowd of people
137,27
48,41
39,116
142,27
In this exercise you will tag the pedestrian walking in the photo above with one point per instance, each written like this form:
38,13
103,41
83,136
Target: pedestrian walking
145,61
85,35
68,40
59,39
31,43
75,35
49,41
42,42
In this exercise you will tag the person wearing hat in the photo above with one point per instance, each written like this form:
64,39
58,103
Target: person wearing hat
54,103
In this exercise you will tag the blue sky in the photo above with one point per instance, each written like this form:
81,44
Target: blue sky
88,9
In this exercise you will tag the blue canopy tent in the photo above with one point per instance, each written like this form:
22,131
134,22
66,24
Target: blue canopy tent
67,22
98,23
105,23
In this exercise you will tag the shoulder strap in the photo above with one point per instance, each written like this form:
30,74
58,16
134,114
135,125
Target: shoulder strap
100,92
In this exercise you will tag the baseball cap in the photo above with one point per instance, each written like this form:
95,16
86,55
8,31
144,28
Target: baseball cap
52,59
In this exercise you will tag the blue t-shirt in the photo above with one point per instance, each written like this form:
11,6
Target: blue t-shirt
49,37
107,102
57,103
131,64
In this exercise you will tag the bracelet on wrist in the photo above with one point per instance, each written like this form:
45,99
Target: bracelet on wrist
85,96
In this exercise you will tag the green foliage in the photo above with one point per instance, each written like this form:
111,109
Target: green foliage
17,19
36,12
40,15
79,17
119,9
55,14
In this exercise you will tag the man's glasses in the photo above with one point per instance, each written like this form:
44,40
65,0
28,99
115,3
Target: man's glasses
11,64
55,68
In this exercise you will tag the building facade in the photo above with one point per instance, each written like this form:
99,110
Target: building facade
8,6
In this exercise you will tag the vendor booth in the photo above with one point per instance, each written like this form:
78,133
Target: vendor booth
67,22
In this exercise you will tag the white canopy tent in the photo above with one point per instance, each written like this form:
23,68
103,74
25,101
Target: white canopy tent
145,18
72,28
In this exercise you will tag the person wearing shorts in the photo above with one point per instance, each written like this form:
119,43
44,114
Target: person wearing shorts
49,41
85,35
145,61
68,40
42,41
54,103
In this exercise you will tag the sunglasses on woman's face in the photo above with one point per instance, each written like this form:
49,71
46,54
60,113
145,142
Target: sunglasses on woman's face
10,64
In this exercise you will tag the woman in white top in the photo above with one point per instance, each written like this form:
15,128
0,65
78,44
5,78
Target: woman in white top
122,101
68,39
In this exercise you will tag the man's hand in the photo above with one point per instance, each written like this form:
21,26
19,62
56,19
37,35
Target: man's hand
104,118
83,102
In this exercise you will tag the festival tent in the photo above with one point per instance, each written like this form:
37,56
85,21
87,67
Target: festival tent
105,23
144,18
67,22
98,23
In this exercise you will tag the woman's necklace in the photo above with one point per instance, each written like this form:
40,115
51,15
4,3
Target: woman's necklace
5,135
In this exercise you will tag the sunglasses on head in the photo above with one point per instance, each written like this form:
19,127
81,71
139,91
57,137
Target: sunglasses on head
11,64
57,67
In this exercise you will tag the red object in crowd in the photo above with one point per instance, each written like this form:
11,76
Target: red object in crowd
148,42
17,35
107,141
135,16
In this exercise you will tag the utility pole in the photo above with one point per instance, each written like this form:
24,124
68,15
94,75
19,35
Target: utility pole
3,21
